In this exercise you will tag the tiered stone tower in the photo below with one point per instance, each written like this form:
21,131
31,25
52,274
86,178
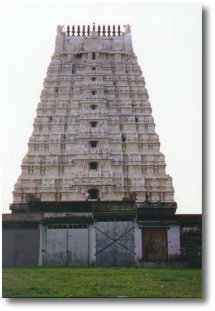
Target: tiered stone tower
93,189
94,136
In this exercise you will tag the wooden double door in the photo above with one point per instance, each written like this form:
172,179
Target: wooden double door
154,244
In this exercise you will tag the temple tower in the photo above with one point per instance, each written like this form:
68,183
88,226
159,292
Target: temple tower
93,190
94,135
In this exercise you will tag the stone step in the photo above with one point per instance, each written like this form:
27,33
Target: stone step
150,264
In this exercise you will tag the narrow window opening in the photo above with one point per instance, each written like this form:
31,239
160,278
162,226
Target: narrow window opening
93,107
93,55
93,92
93,124
79,55
93,78
123,138
93,143
93,166
93,68
93,194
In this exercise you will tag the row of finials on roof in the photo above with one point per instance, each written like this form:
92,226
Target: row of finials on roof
101,31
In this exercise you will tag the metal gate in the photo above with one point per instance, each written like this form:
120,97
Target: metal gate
67,245
115,243
154,243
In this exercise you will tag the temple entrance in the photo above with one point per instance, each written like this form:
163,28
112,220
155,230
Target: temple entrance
67,245
114,243
154,244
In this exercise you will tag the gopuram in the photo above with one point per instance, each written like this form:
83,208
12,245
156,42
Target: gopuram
93,189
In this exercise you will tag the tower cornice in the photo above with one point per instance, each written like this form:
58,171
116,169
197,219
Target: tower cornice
79,39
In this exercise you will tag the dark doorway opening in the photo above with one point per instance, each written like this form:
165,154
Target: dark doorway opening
93,143
93,166
93,194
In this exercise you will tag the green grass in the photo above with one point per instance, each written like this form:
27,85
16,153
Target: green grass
101,282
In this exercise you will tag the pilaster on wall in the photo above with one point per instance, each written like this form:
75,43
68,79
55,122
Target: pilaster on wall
42,245
173,241
92,245
138,244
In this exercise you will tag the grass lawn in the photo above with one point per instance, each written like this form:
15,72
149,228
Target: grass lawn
101,282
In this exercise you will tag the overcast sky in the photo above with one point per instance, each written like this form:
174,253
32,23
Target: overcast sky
167,42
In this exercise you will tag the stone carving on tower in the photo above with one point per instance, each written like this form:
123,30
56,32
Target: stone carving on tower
94,135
